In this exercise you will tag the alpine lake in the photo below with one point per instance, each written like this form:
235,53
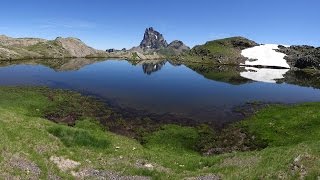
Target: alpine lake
190,93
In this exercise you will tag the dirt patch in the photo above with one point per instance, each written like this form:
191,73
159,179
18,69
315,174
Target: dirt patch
64,164
25,165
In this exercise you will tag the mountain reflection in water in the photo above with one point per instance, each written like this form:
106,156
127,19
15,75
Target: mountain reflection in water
199,92
151,66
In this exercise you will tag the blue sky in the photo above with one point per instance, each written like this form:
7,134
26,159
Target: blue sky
121,23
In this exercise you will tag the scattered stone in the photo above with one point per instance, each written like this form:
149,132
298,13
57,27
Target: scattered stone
25,165
64,164
102,174
207,177
298,168
149,166
297,159
53,177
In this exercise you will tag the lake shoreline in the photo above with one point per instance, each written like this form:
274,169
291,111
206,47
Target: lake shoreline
168,149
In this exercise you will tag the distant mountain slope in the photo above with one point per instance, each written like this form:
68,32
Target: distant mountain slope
229,51
154,46
222,51
34,48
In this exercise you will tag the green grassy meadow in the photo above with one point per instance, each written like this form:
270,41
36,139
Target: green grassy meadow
29,141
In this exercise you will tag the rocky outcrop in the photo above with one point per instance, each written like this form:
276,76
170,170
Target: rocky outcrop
35,48
153,45
153,40
178,45
302,57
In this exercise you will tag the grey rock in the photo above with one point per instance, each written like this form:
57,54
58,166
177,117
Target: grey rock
302,57
153,40
178,46
153,43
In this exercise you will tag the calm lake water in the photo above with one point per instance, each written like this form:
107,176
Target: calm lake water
157,87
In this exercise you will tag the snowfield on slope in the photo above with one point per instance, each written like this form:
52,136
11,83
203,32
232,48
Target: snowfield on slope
265,55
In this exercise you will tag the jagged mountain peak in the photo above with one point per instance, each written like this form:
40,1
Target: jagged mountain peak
152,39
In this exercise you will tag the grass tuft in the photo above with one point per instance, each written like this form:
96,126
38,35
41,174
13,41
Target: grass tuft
78,137
174,138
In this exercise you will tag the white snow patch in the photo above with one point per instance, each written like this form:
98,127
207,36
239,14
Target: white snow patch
156,36
265,55
264,74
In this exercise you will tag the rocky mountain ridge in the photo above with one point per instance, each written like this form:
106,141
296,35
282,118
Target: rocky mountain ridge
152,47
302,57
228,51
35,48
154,42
